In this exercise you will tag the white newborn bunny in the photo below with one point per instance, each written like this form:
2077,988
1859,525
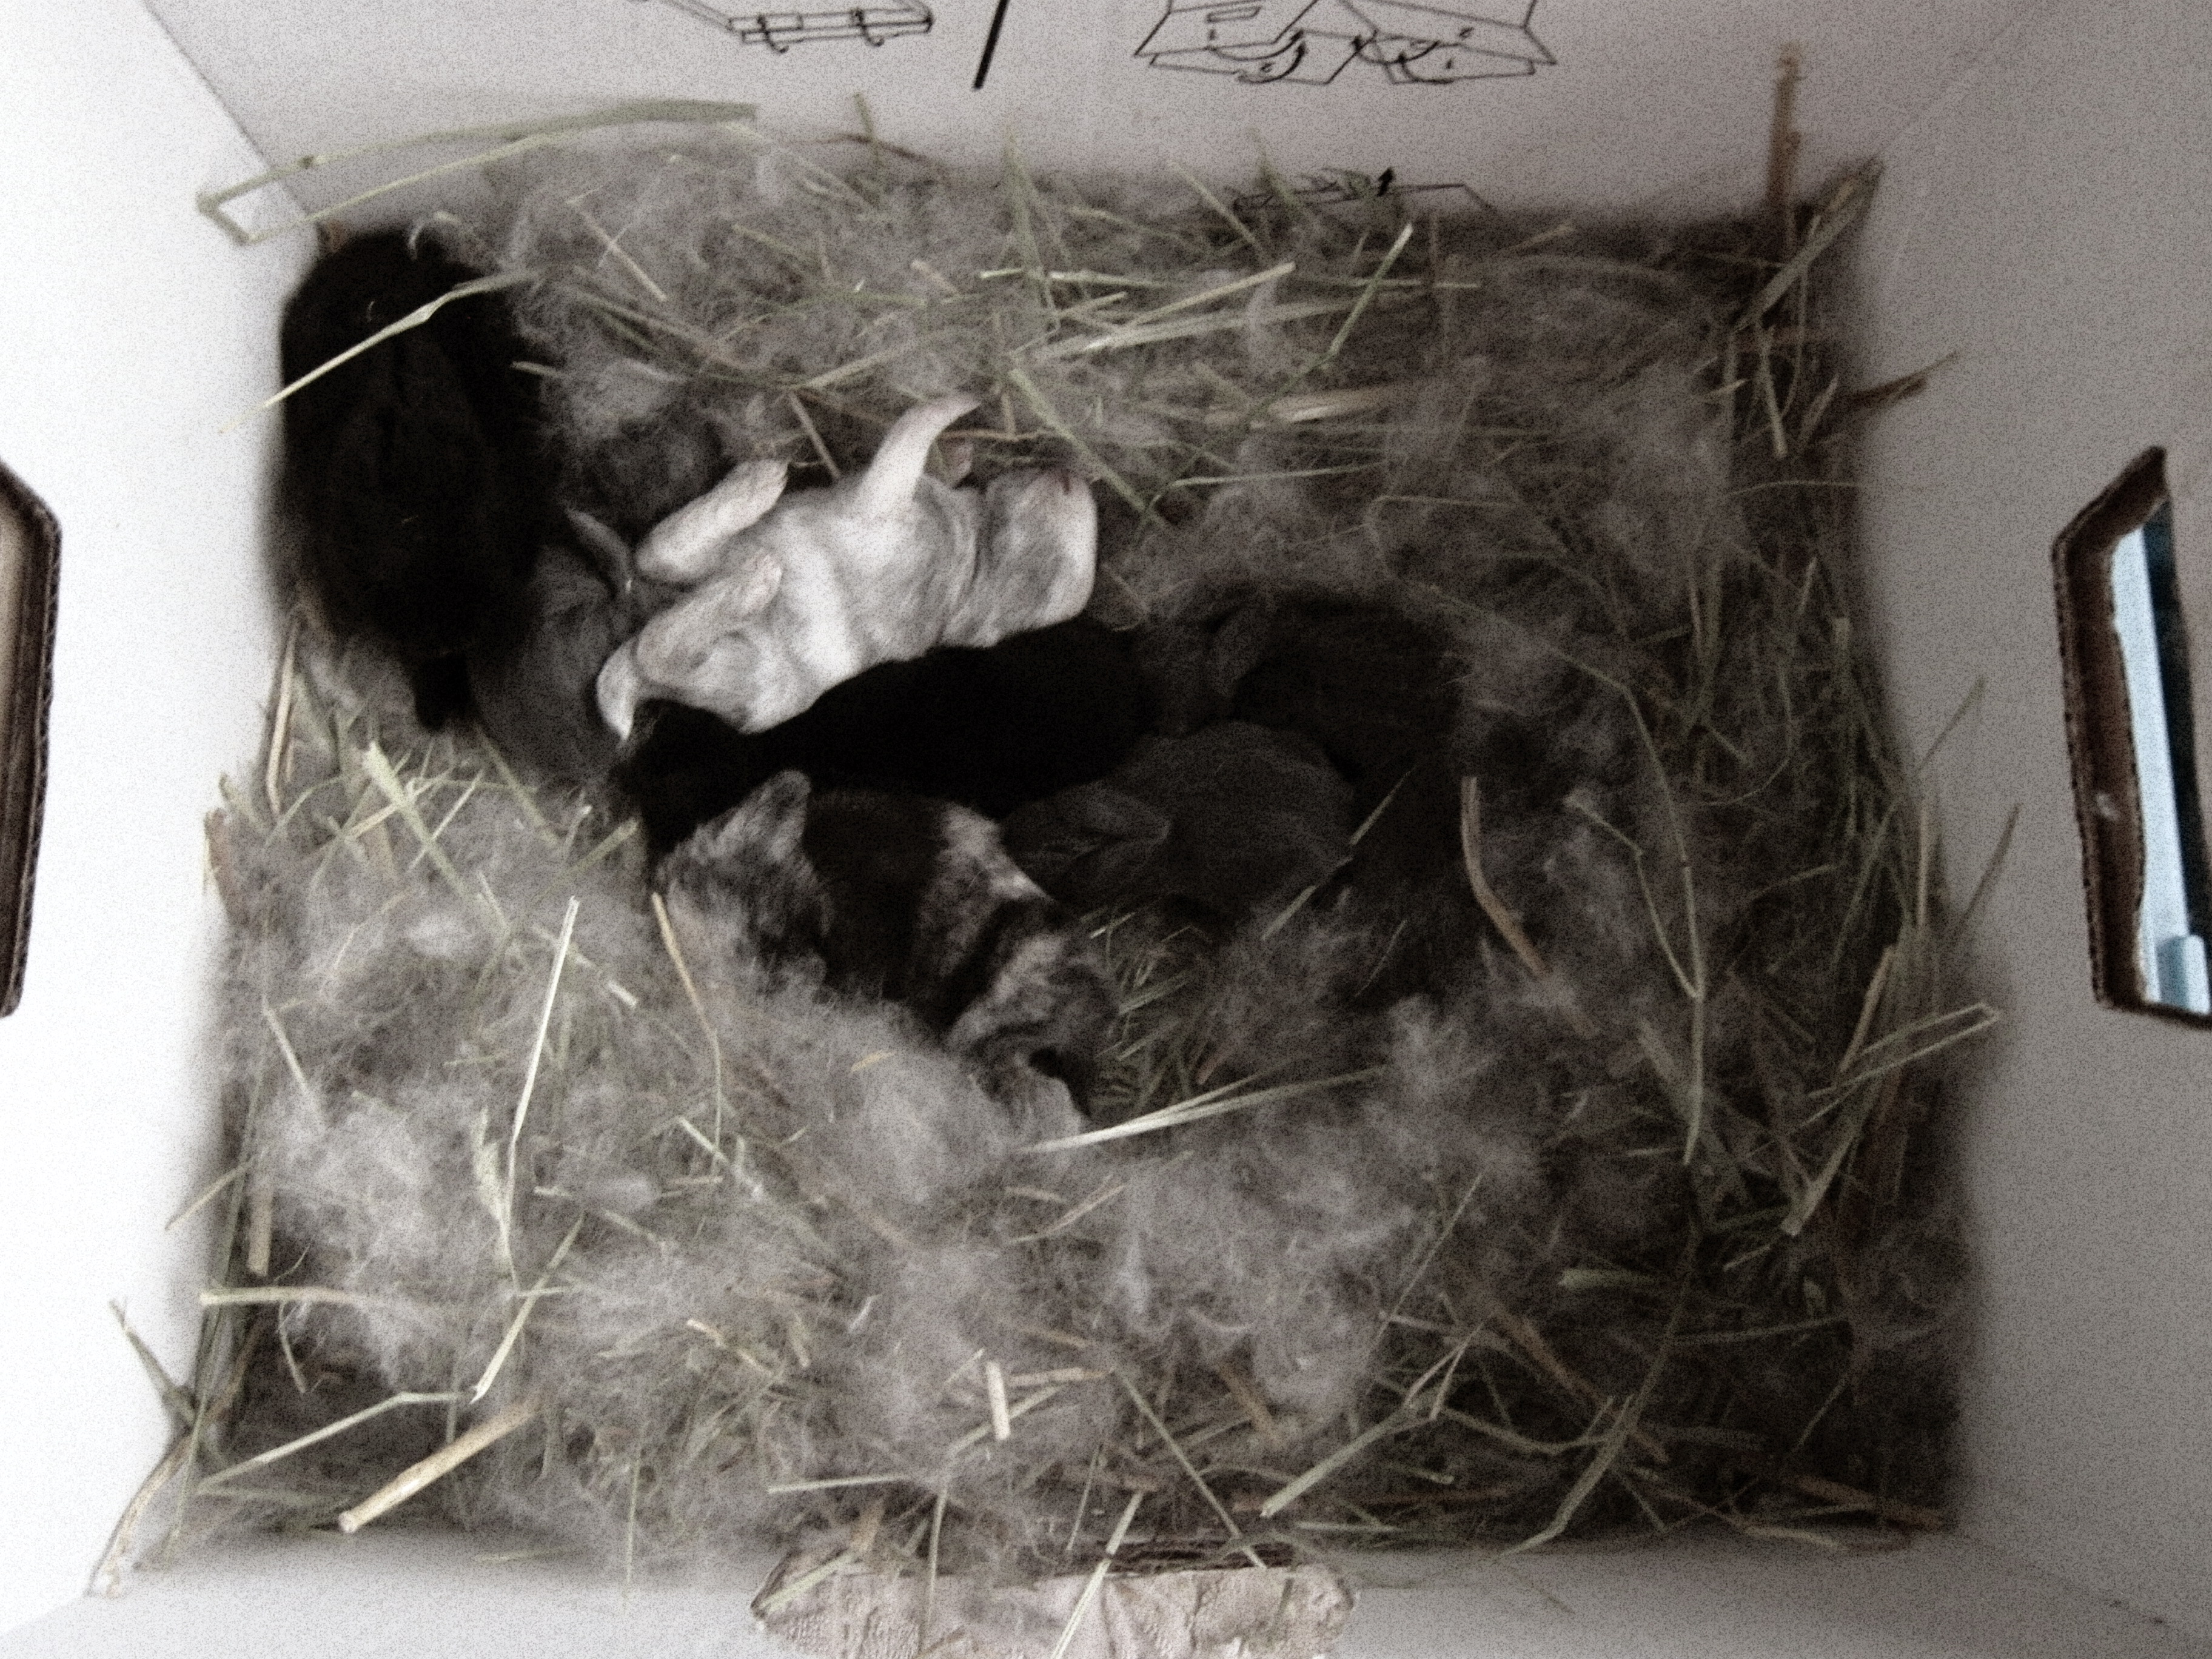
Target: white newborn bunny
791,594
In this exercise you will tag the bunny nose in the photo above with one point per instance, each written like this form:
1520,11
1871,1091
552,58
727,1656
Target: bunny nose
619,689
671,647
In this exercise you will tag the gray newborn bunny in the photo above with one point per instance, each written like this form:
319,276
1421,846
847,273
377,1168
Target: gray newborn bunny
1233,818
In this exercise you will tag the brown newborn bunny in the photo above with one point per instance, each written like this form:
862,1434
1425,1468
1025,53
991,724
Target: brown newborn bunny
907,899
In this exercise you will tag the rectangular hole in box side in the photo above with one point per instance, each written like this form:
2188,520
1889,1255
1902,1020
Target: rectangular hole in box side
30,555
2154,644
2130,725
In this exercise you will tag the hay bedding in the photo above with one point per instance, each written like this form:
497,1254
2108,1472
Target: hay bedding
1628,1218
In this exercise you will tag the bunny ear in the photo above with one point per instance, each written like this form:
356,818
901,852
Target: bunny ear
895,474
764,830
610,553
687,546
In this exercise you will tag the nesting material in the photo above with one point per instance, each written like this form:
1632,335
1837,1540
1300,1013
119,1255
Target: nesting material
1579,1173
1240,1613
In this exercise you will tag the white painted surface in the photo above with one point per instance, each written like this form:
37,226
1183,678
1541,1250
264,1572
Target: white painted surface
401,1596
130,329
1663,105
2046,222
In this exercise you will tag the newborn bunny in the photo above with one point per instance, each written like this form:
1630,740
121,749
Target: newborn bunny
791,594
415,467
913,900
531,672
1233,817
1374,687
991,729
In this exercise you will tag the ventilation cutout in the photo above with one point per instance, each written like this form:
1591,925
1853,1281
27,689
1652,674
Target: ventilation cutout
30,552
2131,728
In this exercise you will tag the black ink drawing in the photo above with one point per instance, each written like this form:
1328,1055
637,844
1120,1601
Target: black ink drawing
780,31
1336,188
990,46
1311,41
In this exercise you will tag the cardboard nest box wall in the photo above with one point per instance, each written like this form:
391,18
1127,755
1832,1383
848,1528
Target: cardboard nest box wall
2039,218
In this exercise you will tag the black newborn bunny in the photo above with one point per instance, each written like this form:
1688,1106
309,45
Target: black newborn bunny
991,729
414,468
